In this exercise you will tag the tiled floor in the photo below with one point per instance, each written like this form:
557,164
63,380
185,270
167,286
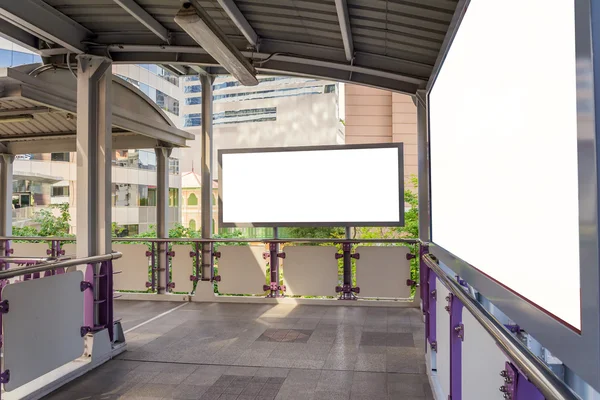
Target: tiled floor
243,351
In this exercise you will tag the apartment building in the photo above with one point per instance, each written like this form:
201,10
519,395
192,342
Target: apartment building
41,180
380,116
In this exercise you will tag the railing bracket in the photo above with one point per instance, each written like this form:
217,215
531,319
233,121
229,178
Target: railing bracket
5,376
4,307
84,330
84,285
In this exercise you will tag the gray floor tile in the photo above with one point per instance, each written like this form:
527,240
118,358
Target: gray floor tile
225,351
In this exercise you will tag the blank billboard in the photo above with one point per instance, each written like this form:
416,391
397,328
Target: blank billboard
504,161
312,186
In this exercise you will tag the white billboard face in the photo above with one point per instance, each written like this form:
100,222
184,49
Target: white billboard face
503,134
312,186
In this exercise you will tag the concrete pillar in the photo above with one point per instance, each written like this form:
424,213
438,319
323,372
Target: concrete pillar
162,217
206,173
6,188
94,155
423,156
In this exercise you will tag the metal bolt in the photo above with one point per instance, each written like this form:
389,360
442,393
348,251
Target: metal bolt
504,373
507,396
503,389
458,328
448,298
508,380
447,308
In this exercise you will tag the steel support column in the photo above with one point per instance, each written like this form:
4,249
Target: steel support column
94,155
162,218
6,188
206,173
94,161
423,160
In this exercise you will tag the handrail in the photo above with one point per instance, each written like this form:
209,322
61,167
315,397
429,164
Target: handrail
222,240
534,369
48,266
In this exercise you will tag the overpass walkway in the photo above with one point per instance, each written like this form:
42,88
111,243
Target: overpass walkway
257,351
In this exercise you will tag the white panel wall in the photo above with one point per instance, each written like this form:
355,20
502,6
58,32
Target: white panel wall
482,362
382,271
30,249
182,266
310,270
242,270
133,266
42,330
442,333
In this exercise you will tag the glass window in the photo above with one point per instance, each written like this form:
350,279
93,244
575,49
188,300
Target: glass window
143,195
192,224
60,191
152,196
173,166
173,197
60,156
234,117
192,200
330,88
125,195
5,58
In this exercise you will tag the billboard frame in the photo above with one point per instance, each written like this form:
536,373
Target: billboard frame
579,350
294,224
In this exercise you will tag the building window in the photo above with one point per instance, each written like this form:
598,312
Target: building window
192,200
10,58
152,196
330,88
127,230
173,166
192,224
173,197
60,191
125,195
234,116
60,157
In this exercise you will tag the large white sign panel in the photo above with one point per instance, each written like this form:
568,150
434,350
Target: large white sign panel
312,186
503,131
42,330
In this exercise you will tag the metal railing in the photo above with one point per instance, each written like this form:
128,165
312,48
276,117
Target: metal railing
534,369
51,265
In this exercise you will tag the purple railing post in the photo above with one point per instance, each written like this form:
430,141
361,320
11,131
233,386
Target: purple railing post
88,298
105,298
170,254
274,288
430,315
153,267
517,386
347,291
197,261
7,252
456,339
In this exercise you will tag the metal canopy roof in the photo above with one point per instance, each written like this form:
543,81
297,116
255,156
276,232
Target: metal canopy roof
391,44
38,112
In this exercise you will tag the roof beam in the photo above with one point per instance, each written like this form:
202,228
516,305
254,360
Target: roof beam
342,11
239,20
144,18
193,19
45,22
28,110
176,69
17,35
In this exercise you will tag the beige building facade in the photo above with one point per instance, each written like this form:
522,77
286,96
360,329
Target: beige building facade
380,116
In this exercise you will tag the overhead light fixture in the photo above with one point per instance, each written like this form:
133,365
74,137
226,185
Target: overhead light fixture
200,26
16,118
